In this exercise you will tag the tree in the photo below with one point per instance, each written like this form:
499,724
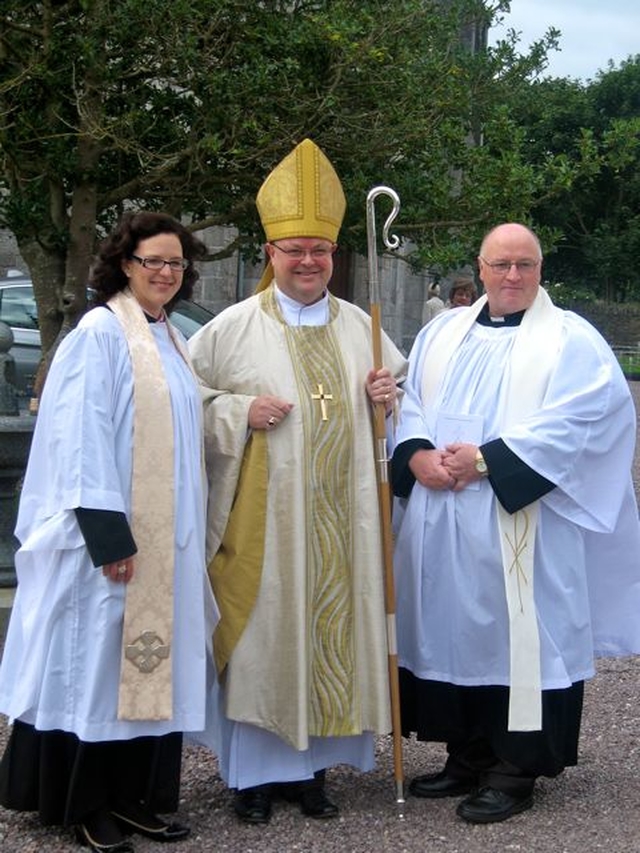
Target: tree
186,106
595,129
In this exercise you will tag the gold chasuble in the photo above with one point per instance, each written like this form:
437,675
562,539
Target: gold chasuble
146,668
235,570
293,534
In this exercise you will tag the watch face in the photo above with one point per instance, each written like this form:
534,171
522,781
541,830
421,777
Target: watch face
481,465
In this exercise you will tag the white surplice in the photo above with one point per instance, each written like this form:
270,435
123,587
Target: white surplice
61,663
452,619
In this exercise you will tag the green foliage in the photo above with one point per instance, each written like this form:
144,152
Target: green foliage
186,106
568,295
596,128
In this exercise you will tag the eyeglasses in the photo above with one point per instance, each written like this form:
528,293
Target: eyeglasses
317,254
504,266
156,264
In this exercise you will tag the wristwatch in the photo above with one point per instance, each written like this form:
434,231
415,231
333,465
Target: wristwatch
481,465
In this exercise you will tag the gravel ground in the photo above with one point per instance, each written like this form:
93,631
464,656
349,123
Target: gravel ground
592,807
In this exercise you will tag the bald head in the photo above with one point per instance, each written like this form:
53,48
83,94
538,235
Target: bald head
509,230
509,264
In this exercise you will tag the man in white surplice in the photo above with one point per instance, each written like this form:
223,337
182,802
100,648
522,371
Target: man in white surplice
293,537
517,532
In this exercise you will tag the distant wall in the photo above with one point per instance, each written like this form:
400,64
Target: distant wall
618,323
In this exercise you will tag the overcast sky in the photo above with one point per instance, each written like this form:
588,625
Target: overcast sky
592,32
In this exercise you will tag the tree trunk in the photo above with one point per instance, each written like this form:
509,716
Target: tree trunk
61,306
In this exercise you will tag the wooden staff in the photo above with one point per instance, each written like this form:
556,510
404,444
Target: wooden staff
382,469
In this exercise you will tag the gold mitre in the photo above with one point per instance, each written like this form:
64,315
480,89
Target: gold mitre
302,197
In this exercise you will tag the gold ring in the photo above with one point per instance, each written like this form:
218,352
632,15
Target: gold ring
386,397
122,569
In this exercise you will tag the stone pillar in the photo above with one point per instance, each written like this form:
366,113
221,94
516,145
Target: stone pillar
16,430
8,394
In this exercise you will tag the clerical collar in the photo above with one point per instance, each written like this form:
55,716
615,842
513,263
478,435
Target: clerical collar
498,322
298,314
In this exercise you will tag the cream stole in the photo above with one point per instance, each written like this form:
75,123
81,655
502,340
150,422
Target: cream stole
533,357
146,683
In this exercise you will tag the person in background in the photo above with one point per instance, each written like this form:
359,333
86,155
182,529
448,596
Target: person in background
104,665
461,293
517,417
294,540
433,305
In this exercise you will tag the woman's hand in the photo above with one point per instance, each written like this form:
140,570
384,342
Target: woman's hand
119,572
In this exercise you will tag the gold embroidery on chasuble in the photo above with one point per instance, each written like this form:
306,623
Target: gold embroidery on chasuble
328,427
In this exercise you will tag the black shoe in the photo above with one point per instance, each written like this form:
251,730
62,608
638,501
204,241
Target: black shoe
436,785
151,826
84,837
489,805
315,803
253,805
312,798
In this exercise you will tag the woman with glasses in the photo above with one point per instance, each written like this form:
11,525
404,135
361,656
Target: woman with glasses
462,293
104,664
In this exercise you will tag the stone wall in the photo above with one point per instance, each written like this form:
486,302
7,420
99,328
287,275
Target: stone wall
9,254
222,282
618,323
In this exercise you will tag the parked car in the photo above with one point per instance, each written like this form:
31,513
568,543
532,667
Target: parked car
18,310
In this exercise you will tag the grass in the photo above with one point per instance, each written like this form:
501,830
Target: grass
630,363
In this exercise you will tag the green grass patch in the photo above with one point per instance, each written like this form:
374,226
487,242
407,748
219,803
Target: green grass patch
630,364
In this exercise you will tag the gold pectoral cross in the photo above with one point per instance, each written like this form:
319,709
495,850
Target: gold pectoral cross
323,401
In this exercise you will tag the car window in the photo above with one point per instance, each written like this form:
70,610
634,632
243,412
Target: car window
18,307
189,317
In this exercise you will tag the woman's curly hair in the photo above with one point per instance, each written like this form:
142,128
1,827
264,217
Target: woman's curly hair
108,277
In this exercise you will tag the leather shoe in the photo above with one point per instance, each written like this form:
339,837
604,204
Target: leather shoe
312,799
253,805
315,803
84,837
489,805
436,785
152,827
